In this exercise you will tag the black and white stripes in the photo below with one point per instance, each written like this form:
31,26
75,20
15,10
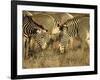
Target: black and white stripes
34,35
72,27
29,26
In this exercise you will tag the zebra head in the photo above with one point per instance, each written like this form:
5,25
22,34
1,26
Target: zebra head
27,13
42,38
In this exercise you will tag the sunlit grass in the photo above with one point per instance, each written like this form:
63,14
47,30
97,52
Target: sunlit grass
52,58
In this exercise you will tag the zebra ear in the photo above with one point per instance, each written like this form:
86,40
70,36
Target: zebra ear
28,13
44,31
64,25
38,31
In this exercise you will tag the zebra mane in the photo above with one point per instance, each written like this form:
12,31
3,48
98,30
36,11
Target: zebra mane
74,18
40,26
34,22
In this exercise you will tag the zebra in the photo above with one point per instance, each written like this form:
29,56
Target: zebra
72,29
30,31
58,18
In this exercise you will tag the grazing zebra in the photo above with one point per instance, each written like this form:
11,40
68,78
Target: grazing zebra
30,30
72,29
59,18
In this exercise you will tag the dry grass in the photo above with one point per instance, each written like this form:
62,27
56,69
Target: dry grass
52,58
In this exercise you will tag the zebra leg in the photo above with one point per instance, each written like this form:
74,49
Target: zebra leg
27,49
75,43
86,42
87,38
55,46
61,48
44,46
70,45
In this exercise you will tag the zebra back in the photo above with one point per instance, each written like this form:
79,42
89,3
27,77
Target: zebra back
74,25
